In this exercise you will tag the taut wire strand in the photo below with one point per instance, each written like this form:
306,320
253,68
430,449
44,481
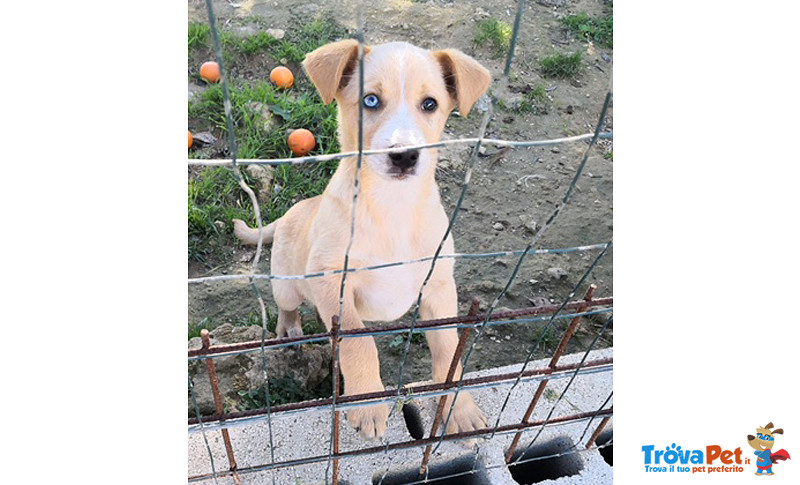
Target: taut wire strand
547,328
439,144
321,274
254,200
202,428
353,210
467,177
536,238
566,388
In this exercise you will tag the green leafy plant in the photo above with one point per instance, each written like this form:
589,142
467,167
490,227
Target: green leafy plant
283,390
597,29
561,65
252,318
199,33
494,32
534,101
400,339
261,115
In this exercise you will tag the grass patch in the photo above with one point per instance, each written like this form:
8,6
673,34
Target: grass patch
251,319
248,45
547,338
310,36
533,101
292,48
310,325
199,33
214,199
495,33
561,65
261,116
283,390
400,339
597,29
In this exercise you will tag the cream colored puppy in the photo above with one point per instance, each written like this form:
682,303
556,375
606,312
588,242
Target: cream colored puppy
408,94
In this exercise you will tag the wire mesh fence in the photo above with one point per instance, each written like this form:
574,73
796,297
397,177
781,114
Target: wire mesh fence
557,374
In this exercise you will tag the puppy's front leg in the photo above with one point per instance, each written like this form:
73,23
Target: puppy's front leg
439,300
358,359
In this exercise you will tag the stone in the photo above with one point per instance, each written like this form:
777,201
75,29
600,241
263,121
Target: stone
557,273
277,33
263,176
539,301
453,156
268,121
308,365
204,138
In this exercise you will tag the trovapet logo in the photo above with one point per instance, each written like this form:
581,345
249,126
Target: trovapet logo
711,459
715,458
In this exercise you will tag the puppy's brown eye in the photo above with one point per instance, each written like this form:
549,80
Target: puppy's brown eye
429,104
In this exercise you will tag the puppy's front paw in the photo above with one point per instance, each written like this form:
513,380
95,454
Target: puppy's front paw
370,422
294,332
467,416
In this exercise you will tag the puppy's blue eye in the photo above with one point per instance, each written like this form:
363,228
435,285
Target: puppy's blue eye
429,104
371,101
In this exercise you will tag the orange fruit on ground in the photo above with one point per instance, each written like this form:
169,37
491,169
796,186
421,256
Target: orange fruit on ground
282,77
209,71
191,140
301,142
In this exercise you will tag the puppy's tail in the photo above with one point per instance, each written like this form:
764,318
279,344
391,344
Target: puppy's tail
249,236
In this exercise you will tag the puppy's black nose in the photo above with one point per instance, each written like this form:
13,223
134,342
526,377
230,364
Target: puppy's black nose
404,160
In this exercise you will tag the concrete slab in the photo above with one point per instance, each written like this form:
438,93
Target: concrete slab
304,434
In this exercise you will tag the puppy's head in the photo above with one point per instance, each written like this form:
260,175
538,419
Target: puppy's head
764,439
408,94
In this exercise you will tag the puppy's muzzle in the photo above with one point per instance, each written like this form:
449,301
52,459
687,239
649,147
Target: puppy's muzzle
404,160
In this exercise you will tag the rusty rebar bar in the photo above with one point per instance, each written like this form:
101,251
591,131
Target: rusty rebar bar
437,420
408,391
597,432
562,346
335,377
413,443
214,380
385,329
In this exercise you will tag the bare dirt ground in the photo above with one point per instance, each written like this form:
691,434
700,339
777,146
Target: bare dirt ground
511,193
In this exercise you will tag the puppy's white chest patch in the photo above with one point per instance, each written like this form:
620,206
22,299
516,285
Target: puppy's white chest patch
387,294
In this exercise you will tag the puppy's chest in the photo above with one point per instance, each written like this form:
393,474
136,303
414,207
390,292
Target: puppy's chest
386,294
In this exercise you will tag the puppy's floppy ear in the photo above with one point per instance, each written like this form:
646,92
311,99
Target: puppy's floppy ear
331,65
778,431
465,78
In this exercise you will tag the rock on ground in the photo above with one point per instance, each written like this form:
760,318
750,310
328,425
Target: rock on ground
307,364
